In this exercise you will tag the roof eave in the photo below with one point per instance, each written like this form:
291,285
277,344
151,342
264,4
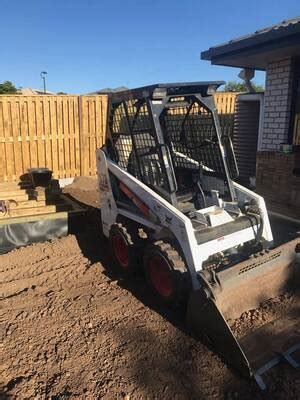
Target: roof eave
252,41
257,56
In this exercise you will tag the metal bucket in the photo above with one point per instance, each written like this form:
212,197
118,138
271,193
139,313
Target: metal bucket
227,295
40,176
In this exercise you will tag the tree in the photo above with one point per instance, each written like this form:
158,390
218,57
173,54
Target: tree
234,86
7,87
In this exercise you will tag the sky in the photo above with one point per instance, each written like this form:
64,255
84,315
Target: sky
86,45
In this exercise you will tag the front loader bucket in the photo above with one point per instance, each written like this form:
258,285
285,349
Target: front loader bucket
250,312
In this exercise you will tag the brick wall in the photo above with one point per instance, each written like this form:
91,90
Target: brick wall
277,104
278,181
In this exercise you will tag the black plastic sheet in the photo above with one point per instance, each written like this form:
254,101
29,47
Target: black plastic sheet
16,235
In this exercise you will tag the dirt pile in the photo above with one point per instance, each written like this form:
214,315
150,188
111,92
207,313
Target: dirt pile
85,190
70,329
267,312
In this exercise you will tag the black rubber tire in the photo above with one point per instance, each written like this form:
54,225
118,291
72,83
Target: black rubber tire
180,276
130,239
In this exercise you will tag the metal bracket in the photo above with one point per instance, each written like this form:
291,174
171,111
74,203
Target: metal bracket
289,358
258,375
285,355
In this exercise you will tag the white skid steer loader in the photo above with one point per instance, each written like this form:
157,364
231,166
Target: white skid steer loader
169,202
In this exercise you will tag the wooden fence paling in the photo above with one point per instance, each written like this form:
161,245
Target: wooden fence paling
225,103
59,132
63,132
92,110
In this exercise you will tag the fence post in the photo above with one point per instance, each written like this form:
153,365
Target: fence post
84,170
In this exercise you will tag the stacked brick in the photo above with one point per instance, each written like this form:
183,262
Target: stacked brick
277,104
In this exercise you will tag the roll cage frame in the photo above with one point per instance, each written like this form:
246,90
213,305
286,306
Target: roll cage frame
157,99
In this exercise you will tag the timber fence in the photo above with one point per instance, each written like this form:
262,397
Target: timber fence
63,132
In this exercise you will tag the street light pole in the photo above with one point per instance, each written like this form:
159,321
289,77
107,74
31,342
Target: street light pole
43,76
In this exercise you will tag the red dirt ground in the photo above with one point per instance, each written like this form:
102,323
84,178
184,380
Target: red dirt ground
72,328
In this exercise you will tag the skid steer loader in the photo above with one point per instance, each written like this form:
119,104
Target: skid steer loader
170,202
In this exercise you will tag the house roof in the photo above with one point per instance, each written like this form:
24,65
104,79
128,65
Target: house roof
110,90
31,91
255,50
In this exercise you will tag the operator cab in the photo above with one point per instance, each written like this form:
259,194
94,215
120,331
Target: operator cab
168,137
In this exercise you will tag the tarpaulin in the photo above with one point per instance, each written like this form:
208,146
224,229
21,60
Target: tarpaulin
21,234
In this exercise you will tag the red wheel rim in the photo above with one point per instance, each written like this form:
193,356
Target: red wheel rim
161,276
120,250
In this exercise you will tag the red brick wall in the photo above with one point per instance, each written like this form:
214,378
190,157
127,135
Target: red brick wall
277,180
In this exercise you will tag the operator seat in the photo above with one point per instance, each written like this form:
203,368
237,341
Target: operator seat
146,164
